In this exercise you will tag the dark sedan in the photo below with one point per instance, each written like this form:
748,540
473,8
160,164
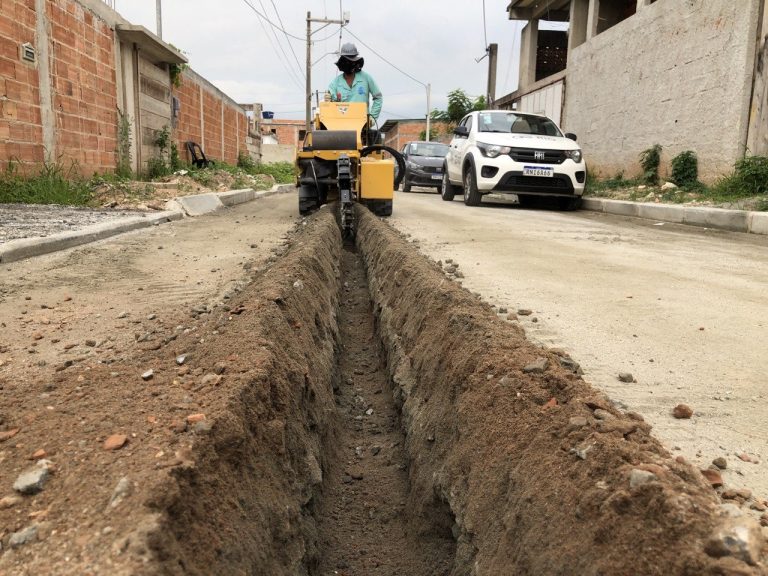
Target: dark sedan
424,164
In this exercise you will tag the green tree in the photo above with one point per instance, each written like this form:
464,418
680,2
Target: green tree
459,105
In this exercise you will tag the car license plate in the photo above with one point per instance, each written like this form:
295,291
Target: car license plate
545,171
437,176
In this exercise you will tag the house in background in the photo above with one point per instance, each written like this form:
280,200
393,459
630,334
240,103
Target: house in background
397,133
281,138
628,74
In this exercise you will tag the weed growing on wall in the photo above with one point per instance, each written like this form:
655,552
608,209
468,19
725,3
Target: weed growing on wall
53,184
685,169
749,178
650,160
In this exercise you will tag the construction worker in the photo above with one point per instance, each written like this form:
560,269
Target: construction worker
354,85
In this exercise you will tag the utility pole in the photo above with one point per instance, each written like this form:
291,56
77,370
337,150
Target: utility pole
159,4
429,104
310,20
490,96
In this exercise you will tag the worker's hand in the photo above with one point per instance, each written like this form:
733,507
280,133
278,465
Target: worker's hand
371,122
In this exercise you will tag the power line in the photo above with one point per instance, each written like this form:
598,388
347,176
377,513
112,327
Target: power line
279,19
268,21
283,61
385,60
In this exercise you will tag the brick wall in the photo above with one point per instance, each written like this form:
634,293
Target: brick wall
21,132
285,131
78,119
84,86
206,128
408,131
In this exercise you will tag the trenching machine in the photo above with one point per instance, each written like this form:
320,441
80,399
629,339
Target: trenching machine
340,161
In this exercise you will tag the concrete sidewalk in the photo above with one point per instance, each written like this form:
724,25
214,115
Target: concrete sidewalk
179,208
719,218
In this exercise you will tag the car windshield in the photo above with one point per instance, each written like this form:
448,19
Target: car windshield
506,122
428,149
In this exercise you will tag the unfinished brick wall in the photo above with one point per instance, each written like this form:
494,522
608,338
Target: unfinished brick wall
21,132
408,131
76,122
85,86
82,75
210,118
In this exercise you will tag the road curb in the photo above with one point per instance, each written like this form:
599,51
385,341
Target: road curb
179,208
28,247
718,218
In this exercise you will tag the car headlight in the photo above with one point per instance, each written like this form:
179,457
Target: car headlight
412,165
493,150
574,155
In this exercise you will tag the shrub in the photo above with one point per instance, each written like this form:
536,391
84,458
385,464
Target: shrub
685,169
53,184
650,160
749,178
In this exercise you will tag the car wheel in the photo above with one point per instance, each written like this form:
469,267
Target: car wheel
471,193
569,203
406,183
447,190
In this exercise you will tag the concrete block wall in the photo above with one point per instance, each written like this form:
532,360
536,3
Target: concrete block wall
21,136
677,73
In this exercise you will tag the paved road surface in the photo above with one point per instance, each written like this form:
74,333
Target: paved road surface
685,310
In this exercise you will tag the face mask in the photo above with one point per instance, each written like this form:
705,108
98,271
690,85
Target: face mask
350,67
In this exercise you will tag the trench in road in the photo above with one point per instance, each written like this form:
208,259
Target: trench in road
363,522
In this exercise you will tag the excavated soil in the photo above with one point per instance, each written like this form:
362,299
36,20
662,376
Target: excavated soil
351,411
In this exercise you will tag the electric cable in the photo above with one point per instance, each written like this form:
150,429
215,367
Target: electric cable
382,57
268,21
279,19
289,69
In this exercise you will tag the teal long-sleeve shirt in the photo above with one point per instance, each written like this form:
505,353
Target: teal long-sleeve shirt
363,87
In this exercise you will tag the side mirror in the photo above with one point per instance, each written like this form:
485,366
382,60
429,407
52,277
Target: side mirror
570,136
462,131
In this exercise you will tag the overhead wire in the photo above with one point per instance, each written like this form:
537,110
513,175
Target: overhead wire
297,78
279,19
268,21
404,73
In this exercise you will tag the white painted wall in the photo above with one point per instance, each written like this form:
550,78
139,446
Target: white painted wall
277,153
678,73
547,100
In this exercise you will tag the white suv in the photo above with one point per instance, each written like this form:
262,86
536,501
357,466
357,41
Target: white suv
502,151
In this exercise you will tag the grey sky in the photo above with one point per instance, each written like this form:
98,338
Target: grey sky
435,41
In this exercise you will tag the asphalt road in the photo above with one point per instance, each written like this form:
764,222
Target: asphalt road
684,309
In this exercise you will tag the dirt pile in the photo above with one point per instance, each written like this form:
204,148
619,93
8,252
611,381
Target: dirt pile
211,450
541,474
222,449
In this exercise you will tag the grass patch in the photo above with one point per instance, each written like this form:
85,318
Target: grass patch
597,187
53,184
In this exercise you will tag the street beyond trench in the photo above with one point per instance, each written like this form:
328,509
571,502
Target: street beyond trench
682,309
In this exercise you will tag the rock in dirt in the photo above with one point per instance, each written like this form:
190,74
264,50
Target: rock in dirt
148,375
713,477
195,418
8,434
736,537
9,501
33,479
626,377
25,536
720,462
524,312
122,490
682,412
115,442
180,359
764,520
538,366
640,477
